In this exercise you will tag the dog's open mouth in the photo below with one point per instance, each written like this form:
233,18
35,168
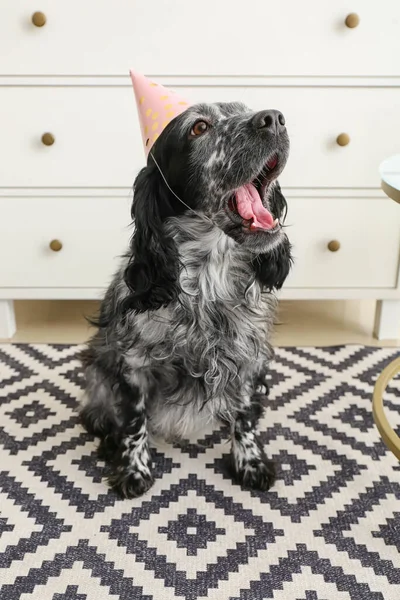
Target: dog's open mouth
246,203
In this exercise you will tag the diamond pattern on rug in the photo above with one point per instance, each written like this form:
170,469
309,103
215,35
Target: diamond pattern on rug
329,529
192,531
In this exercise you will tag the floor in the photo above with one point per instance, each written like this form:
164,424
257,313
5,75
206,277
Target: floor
331,523
301,323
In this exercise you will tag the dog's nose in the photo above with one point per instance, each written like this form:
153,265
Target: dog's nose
269,120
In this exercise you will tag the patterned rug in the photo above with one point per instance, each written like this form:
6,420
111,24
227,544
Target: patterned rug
329,529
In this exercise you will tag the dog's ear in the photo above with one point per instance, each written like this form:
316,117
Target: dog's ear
153,271
273,267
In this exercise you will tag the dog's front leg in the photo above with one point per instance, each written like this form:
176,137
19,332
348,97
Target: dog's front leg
249,464
130,459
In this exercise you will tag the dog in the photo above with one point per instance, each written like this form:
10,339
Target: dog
183,332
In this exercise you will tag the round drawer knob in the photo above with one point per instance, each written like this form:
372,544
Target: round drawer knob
48,139
343,139
352,20
55,245
333,246
38,19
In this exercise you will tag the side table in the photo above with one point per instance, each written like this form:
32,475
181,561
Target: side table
390,183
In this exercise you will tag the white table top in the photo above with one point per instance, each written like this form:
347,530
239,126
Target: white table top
389,171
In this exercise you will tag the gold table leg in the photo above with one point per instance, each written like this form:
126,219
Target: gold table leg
389,436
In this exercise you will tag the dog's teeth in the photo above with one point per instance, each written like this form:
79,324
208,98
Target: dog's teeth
276,222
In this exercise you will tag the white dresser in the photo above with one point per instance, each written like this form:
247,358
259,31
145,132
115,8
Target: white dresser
70,145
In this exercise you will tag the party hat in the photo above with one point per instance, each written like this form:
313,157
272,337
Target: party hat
157,106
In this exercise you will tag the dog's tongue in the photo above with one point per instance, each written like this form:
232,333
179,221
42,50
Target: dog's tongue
250,207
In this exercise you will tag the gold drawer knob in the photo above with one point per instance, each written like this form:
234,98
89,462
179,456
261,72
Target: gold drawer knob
55,245
343,139
333,246
48,139
352,20
39,19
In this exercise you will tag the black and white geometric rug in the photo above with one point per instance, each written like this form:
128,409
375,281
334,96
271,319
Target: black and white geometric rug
328,530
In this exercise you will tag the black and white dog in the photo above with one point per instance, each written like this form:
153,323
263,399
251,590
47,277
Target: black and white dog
184,328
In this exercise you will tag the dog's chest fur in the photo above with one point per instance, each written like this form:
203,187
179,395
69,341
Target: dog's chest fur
213,341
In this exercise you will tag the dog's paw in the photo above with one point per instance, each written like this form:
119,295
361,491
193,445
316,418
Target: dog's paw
257,475
130,484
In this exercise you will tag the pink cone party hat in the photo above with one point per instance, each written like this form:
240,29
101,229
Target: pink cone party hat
157,106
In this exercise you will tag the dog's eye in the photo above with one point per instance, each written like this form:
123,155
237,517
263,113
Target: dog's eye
199,128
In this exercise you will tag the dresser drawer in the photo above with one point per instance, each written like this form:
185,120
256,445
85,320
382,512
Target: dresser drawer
366,231
93,233
98,143
228,37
